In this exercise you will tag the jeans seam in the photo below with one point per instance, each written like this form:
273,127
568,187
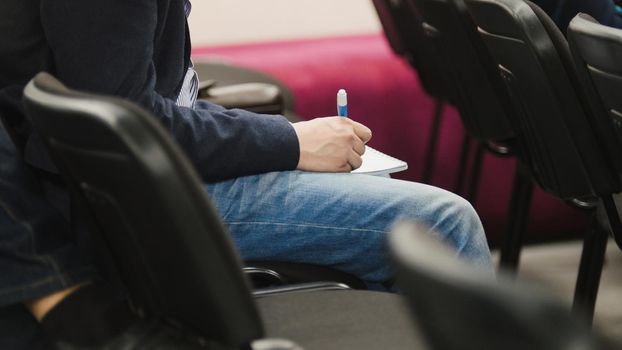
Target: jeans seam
303,225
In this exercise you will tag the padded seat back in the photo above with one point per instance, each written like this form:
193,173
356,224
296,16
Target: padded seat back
477,84
460,307
553,119
171,249
597,52
403,29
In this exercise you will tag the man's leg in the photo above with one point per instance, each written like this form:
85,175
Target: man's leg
43,275
340,220
39,260
40,307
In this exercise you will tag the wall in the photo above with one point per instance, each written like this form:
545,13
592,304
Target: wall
221,22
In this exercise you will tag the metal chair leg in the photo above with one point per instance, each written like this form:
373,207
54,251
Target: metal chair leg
520,203
476,171
462,172
590,269
428,167
593,258
614,219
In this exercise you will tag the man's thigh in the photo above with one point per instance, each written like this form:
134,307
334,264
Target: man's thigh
338,220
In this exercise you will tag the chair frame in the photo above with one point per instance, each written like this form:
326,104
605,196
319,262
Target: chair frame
569,163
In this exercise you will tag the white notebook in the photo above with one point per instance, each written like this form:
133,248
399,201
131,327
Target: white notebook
378,163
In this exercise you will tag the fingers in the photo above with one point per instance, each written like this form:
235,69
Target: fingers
363,132
358,145
331,144
354,160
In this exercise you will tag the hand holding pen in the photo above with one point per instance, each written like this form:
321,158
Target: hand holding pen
331,144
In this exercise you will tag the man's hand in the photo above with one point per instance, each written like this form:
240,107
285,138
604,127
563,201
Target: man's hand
331,144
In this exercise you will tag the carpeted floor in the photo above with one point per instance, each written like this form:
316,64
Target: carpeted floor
554,266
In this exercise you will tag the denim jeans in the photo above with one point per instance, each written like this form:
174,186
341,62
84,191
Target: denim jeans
336,220
38,254
340,220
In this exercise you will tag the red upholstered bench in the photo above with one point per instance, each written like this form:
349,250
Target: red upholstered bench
384,94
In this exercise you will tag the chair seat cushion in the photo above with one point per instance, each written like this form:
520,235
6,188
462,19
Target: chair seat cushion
346,319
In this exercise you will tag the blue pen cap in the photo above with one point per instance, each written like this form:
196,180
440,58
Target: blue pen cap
342,103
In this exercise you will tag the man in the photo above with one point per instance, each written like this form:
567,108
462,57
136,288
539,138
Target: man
37,258
283,190
563,11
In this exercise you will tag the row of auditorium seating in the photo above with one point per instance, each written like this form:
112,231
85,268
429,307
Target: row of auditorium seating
178,263
511,74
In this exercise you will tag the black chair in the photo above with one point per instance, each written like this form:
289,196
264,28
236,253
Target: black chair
402,27
170,247
596,50
422,43
484,105
233,86
459,307
554,122
481,107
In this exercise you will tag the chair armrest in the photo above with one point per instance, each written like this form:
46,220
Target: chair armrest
302,287
274,344
255,97
264,277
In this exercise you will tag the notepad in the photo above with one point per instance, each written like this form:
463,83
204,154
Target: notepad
378,163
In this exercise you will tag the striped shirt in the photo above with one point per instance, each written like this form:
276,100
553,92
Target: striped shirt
190,87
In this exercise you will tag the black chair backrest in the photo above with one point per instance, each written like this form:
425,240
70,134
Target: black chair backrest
553,118
477,84
597,52
170,246
402,27
459,307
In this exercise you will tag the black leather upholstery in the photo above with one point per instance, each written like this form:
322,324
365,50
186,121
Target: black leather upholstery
553,122
597,52
148,202
403,29
233,86
169,245
563,138
479,96
460,307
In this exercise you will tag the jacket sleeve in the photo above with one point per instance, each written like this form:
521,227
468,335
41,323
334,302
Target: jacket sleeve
107,46
602,10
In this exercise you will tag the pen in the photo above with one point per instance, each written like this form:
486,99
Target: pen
342,103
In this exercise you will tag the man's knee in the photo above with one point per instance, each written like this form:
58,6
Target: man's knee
463,229
452,217
444,206
464,209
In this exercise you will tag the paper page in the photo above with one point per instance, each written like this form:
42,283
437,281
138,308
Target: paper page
378,163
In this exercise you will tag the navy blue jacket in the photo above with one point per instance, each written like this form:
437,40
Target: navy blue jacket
139,50
563,11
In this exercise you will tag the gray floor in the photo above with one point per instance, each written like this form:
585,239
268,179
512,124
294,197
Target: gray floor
555,267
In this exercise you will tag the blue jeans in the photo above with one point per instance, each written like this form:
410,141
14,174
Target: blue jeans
340,220
337,220
38,254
